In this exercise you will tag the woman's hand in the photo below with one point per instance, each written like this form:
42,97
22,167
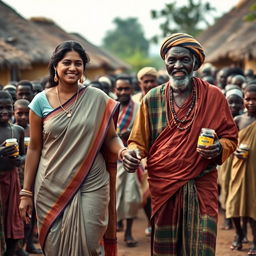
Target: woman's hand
26,206
131,160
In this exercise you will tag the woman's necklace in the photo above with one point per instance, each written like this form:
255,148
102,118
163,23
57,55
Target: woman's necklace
67,111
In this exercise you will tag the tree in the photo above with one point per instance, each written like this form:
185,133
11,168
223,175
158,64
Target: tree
251,16
126,39
187,18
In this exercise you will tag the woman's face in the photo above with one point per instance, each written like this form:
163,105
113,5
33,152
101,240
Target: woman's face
71,68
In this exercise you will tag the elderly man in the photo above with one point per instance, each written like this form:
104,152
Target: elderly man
182,174
147,78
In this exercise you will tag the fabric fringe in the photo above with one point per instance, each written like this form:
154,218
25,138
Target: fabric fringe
110,247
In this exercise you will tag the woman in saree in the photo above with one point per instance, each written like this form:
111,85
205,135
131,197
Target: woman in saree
72,133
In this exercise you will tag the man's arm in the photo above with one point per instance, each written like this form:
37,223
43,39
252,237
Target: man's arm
140,133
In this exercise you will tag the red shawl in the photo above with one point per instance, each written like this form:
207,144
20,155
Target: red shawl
173,159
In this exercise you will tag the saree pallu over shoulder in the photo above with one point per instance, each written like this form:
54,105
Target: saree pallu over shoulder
70,146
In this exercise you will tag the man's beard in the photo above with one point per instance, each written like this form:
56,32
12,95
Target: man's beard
181,84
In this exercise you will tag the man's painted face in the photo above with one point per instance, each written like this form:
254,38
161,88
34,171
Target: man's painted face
180,64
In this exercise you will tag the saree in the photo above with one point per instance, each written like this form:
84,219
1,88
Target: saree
72,179
183,184
241,200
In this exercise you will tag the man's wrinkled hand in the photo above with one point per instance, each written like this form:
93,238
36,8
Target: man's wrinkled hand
210,152
131,160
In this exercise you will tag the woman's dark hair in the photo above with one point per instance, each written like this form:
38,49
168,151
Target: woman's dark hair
60,52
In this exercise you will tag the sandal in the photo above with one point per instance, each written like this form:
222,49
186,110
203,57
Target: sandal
131,243
236,244
252,250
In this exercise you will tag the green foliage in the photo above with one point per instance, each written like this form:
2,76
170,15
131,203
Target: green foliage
187,18
127,39
251,16
139,60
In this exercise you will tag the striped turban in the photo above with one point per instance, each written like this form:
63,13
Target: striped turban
186,41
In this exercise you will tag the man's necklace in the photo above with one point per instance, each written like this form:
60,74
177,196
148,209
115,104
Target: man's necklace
69,112
181,124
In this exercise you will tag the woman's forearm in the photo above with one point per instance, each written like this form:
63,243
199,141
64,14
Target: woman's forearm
112,142
115,144
31,165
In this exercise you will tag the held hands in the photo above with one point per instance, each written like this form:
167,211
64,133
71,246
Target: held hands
131,160
210,152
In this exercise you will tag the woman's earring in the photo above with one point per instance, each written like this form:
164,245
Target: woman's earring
56,79
82,79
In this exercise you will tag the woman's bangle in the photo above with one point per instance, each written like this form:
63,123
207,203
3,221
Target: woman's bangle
25,197
120,156
26,193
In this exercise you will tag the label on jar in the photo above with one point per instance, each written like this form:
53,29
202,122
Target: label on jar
205,141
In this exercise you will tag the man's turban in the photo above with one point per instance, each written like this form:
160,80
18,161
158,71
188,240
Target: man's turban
146,71
186,41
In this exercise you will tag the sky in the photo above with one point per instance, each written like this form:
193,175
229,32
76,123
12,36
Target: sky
93,18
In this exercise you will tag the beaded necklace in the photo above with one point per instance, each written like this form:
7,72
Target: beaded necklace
179,123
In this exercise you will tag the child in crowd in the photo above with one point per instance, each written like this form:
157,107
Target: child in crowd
235,102
24,90
241,201
21,115
11,157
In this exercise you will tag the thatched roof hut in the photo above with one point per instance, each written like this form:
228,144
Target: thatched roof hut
231,40
11,57
38,37
116,63
98,57
23,35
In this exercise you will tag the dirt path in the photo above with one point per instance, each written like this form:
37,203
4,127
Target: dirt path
224,240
